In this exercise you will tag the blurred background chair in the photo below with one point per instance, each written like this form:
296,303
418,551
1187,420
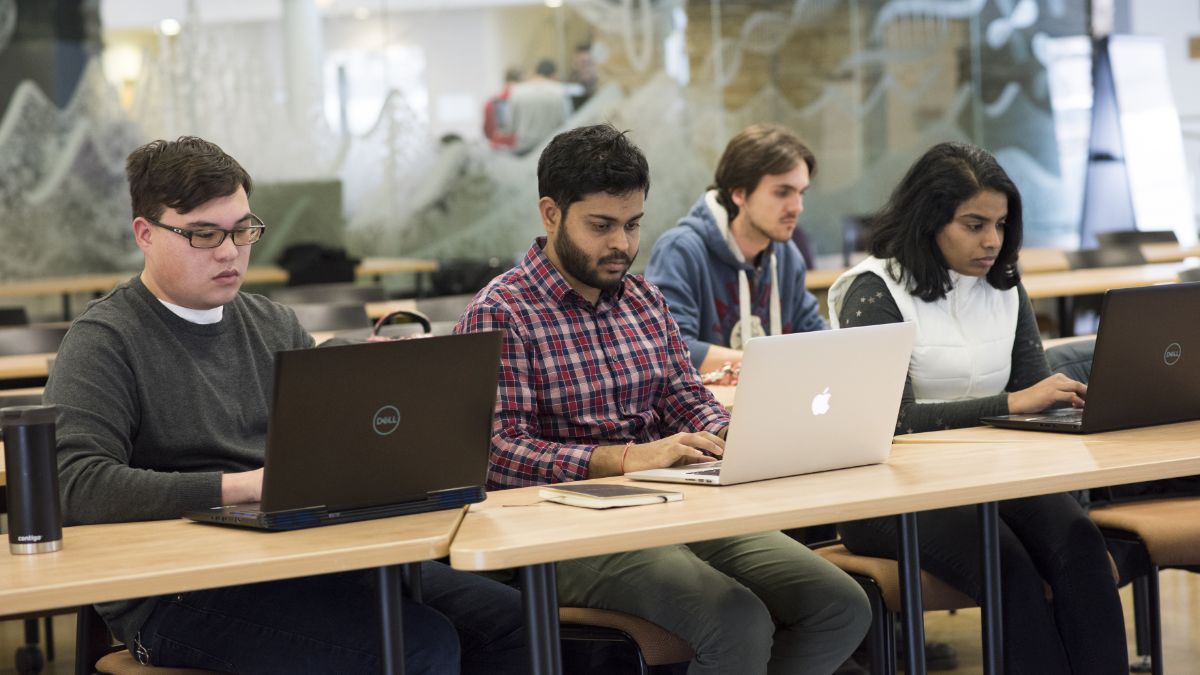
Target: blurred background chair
1190,274
458,276
444,307
1155,534
32,339
1108,256
329,293
1135,237
1080,314
880,579
649,643
13,316
315,316
856,236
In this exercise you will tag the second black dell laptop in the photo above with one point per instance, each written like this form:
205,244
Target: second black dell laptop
373,430
1146,368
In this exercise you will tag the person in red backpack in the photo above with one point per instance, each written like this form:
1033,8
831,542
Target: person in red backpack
497,114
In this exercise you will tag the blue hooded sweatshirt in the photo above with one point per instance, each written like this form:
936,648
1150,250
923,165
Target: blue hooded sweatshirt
695,266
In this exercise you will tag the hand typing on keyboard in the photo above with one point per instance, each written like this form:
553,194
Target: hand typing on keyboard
1057,388
676,450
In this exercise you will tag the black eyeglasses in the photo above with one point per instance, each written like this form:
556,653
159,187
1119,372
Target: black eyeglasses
212,237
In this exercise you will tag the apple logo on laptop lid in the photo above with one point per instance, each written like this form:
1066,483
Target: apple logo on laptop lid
820,402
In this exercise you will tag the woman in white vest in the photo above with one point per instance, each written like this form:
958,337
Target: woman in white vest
944,256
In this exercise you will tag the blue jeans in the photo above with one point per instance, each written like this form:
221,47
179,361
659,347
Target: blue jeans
330,624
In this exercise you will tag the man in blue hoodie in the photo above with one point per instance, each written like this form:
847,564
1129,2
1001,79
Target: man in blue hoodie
729,269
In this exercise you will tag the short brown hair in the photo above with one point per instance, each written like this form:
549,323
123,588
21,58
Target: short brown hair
759,150
182,175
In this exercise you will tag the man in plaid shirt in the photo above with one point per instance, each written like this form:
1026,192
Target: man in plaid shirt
595,381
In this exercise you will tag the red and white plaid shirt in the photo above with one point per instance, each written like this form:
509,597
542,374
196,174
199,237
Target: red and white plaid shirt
574,375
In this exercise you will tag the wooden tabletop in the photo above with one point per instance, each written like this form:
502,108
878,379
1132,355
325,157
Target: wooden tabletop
822,279
25,366
514,528
257,274
99,563
1099,279
1034,261
1156,253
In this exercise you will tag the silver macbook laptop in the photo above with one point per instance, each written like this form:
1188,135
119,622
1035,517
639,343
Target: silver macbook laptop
1144,371
809,402
373,430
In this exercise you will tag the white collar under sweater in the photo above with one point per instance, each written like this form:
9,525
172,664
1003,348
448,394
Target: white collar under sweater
746,322
963,347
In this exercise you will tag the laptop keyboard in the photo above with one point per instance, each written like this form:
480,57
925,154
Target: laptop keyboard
1063,416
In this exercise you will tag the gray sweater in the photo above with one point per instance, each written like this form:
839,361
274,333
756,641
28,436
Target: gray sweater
153,409
1028,364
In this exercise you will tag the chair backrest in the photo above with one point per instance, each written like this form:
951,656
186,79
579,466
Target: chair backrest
30,339
445,307
331,316
20,397
1073,359
856,235
328,293
1136,237
13,316
1109,256
456,276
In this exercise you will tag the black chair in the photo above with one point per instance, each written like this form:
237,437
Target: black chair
456,276
1135,237
856,234
13,316
30,339
444,307
331,316
96,653
329,293
33,339
1070,308
1190,274
312,263
1108,256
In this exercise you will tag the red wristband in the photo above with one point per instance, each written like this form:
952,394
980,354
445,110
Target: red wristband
624,455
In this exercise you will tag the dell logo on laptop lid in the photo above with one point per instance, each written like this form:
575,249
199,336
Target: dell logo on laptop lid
1172,354
386,420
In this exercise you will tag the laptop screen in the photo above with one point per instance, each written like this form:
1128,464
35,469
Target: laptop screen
380,423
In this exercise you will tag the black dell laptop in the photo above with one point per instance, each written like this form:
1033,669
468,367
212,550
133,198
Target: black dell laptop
373,430
1146,368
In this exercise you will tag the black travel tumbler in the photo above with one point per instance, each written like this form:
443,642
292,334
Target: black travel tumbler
34,512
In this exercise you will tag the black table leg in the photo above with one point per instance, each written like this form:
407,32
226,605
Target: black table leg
390,619
411,575
1066,317
66,305
912,605
539,594
993,635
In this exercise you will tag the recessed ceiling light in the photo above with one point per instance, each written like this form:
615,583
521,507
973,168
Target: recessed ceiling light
169,27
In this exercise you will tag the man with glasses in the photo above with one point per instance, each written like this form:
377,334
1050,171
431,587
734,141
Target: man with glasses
162,391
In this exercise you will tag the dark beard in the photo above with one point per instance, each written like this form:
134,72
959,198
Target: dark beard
575,262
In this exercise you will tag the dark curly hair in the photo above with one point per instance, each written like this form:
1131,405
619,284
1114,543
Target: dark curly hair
181,175
925,201
589,160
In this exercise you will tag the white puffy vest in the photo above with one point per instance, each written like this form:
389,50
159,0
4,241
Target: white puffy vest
964,342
